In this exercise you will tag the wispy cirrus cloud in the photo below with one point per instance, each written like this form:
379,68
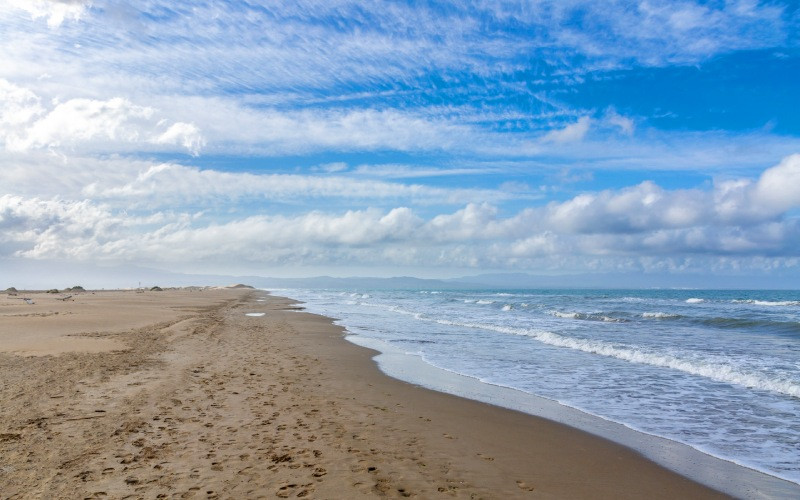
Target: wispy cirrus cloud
394,63
165,184
330,45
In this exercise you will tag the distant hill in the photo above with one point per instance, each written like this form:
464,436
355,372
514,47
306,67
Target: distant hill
41,275
404,282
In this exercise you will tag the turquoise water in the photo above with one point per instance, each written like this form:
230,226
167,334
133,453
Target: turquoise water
717,370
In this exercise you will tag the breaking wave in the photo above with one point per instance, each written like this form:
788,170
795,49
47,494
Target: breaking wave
715,371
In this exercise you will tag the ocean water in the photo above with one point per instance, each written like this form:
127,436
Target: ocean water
716,370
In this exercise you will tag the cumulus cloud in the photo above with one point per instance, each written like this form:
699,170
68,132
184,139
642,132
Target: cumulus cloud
650,208
54,228
775,191
640,208
183,134
81,120
778,188
88,124
603,228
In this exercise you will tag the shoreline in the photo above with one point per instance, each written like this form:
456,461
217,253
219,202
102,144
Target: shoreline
207,402
724,475
369,358
732,476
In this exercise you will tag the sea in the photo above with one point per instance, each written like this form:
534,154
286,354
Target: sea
715,370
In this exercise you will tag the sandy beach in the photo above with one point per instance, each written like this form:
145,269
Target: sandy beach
181,393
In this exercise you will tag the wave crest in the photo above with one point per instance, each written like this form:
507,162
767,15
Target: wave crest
714,371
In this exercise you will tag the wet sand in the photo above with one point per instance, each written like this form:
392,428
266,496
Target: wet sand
181,394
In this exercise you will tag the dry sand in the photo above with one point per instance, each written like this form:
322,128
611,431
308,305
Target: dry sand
179,394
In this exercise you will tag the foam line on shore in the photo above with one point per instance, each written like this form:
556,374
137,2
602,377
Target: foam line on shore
725,476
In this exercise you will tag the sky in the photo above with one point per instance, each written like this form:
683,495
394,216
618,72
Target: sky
390,138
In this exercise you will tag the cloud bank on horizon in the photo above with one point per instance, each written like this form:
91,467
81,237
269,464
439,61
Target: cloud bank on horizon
396,137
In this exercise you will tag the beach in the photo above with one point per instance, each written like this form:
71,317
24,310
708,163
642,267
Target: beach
232,393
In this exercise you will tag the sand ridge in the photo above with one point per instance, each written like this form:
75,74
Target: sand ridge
206,402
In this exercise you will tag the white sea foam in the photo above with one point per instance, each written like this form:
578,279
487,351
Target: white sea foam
633,299
714,371
695,301
586,317
255,315
559,314
769,303
508,307
485,302
660,315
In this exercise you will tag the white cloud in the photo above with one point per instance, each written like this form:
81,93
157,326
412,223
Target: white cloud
266,81
625,124
231,126
85,124
81,120
125,182
473,222
746,219
18,106
247,80
396,171
776,191
56,11
82,231
573,132
778,188
183,134
334,167
641,208
54,228
169,184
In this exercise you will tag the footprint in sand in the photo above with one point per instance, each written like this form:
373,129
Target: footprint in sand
525,486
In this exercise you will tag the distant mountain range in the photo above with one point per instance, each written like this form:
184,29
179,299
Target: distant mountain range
530,281
29,274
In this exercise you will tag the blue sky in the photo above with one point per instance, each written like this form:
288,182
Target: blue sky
393,138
